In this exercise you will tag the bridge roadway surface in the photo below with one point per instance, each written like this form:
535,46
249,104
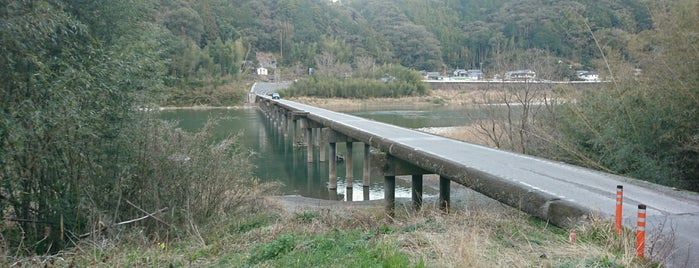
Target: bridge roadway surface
554,191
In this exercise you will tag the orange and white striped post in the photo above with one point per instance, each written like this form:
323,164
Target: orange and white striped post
641,231
619,203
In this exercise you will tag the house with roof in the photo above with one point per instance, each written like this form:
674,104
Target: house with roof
265,63
460,72
475,74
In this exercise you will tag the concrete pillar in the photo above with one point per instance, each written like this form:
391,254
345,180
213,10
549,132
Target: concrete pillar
309,178
317,140
417,192
278,119
309,146
444,194
332,174
292,131
366,193
322,146
349,171
389,195
366,167
315,135
349,193
275,115
285,126
332,194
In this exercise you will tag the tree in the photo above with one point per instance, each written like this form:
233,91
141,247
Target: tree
529,105
185,21
328,65
646,126
63,107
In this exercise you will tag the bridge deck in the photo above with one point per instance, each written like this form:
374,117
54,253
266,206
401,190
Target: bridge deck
551,190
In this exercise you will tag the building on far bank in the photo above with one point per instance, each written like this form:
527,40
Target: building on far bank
589,76
460,72
475,74
520,75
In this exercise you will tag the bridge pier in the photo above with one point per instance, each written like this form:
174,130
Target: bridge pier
393,167
333,138
444,194
332,175
389,196
289,122
298,119
349,164
309,146
278,119
317,136
417,192
292,130
366,171
285,125
322,146
308,136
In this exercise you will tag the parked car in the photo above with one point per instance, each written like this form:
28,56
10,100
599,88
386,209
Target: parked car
275,96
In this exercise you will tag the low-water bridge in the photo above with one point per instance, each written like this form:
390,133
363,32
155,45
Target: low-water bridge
556,192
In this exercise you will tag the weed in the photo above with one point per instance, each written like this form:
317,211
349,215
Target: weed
249,223
385,229
306,216
272,250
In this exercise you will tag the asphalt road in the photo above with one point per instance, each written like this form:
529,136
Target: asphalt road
673,216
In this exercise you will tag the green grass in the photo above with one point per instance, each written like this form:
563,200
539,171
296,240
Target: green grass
337,248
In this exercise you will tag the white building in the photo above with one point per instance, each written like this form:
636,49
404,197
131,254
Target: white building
589,76
520,75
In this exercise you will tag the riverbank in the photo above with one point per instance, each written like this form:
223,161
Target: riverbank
435,98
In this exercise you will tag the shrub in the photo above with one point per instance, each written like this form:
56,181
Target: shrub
190,174
385,82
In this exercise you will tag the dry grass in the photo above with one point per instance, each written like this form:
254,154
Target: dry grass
470,236
470,133
485,239
464,238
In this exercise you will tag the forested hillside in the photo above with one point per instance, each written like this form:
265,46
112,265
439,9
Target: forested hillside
195,43
433,35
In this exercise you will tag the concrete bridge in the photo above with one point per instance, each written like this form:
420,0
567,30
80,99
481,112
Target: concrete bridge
562,194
